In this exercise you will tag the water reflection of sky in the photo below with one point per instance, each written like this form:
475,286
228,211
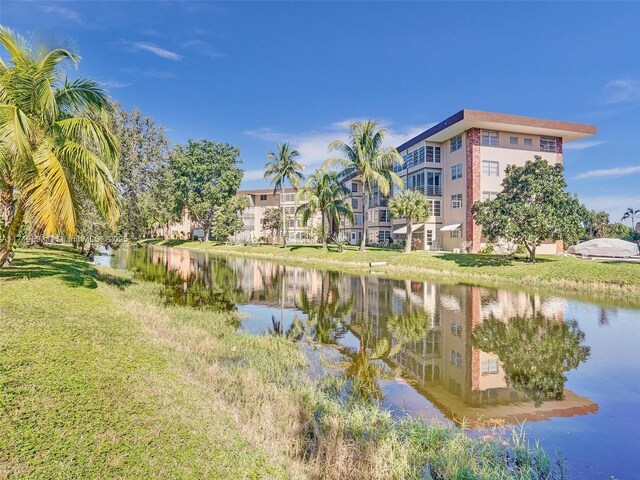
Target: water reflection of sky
441,374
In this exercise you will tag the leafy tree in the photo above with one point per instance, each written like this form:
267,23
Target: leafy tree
55,142
596,224
631,214
143,181
411,205
283,168
227,221
366,159
163,209
206,178
535,353
272,221
532,207
324,193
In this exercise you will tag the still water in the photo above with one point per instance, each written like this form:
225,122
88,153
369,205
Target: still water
568,369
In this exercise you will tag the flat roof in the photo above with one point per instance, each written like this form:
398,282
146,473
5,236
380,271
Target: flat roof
263,191
466,119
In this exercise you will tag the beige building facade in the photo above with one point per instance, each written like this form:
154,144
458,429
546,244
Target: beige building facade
458,162
263,199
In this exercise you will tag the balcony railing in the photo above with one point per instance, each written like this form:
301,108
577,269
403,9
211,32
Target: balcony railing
433,190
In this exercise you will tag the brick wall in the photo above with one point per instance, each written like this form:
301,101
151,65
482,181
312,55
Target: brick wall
473,194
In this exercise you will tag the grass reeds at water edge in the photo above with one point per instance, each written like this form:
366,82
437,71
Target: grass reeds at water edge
100,380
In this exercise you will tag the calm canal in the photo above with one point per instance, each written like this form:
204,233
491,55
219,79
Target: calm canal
568,369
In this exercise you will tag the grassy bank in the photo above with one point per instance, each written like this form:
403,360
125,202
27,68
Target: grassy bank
99,380
617,279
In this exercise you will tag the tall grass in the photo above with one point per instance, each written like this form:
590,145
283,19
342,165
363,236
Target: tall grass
318,427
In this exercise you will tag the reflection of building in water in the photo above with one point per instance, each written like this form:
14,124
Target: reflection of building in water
270,283
464,382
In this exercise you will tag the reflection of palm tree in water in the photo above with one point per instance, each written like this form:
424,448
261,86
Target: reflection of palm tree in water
365,366
326,315
534,352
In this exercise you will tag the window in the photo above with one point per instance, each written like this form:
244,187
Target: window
436,208
528,142
354,202
358,219
456,172
457,233
384,215
513,140
490,169
489,195
455,358
263,198
455,143
384,236
489,138
416,181
433,154
489,367
456,329
547,144
354,187
429,237
456,201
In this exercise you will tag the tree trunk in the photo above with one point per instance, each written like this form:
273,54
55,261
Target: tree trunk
284,220
407,247
532,252
365,209
324,233
12,231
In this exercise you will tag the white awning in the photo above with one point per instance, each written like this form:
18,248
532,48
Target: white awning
403,230
448,228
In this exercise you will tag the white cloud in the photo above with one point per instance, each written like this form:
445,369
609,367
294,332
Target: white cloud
623,90
64,12
609,172
583,145
158,51
253,175
313,145
115,84
614,205
203,48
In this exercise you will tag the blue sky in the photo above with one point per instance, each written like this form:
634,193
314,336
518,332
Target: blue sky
253,74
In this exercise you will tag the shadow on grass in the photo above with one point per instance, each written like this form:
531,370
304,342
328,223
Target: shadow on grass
62,262
481,260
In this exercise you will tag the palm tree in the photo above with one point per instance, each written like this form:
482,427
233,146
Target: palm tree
365,158
631,213
324,193
283,168
55,142
412,205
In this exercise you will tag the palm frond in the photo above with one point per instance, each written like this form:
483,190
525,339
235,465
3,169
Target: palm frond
49,196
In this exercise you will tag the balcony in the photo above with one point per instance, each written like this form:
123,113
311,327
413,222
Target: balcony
433,190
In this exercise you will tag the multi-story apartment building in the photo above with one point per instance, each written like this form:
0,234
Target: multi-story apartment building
457,162
262,200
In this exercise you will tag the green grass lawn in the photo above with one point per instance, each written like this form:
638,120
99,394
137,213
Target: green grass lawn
620,279
98,379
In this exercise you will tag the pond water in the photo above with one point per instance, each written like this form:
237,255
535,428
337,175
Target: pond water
569,369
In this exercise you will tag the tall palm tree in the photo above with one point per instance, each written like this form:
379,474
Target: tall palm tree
365,158
324,193
411,205
631,213
55,142
283,168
